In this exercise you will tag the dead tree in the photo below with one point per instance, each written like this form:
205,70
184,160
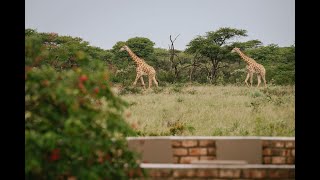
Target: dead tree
174,64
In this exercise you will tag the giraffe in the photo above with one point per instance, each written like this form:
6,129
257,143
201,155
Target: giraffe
252,67
142,68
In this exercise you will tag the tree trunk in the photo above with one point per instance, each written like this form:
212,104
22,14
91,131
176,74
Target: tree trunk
176,73
214,69
173,64
190,75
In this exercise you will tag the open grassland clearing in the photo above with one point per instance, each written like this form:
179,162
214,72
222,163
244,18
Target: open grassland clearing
212,110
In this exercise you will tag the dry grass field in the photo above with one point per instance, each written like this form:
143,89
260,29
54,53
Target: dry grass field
208,110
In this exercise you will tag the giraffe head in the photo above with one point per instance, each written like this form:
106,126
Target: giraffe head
124,48
235,49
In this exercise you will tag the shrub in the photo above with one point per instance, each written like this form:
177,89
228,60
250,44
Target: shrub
73,124
178,128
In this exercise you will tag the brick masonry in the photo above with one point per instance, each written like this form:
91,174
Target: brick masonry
185,151
273,151
278,151
222,172
278,160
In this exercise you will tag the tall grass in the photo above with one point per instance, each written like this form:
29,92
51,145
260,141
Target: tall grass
213,110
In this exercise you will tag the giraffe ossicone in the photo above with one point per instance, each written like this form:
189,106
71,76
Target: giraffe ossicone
142,68
252,68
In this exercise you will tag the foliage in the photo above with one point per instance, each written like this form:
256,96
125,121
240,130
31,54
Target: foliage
247,45
121,59
207,59
125,68
61,52
279,63
213,46
142,47
73,122
178,128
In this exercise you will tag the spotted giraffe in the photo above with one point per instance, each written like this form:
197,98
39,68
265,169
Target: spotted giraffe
252,67
142,68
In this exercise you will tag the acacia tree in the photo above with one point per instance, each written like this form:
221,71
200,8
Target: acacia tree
214,47
195,63
252,44
142,47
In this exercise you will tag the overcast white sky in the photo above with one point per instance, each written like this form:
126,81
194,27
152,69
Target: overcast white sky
104,22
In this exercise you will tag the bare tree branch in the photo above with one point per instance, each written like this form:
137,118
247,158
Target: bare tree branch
176,38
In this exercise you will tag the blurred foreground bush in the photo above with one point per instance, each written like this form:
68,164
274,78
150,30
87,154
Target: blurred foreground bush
73,123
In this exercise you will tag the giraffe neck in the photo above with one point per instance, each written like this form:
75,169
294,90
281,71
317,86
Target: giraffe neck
134,57
244,57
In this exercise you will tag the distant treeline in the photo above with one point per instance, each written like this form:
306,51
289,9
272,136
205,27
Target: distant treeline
207,58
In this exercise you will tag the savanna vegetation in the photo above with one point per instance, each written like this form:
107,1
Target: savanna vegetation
80,104
207,110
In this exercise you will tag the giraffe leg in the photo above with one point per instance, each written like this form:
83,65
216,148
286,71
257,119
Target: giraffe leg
155,81
246,81
135,81
264,80
142,82
259,80
251,79
150,82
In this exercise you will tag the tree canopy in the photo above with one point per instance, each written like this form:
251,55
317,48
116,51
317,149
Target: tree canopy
213,46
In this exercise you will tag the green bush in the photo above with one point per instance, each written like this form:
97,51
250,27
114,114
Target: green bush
165,76
73,122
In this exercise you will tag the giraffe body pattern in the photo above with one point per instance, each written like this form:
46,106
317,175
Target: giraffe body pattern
142,68
252,68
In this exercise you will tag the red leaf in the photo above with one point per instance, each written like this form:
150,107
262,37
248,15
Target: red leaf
55,155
